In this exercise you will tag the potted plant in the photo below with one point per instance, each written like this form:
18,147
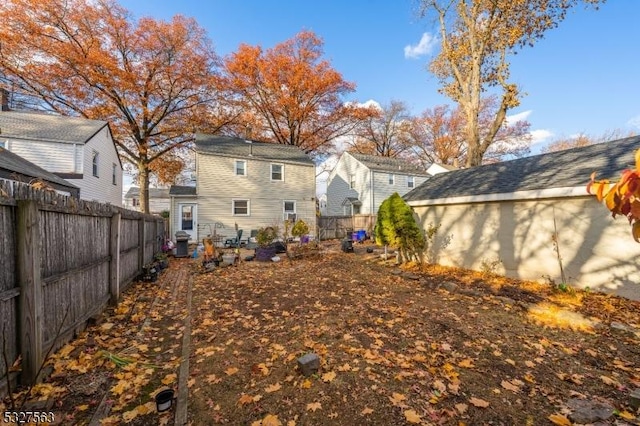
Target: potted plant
163,260
301,230
264,238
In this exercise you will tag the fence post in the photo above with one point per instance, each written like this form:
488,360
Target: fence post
31,308
114,265
142,243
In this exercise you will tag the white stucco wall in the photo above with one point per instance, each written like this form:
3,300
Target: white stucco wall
597,251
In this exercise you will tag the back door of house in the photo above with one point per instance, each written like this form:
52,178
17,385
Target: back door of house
187,219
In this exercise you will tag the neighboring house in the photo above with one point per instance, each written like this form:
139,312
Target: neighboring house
437,168
507,216
159,200
250,184
17,169
78,150
359,183
322,204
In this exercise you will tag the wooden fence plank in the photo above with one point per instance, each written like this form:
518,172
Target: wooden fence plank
114,270
30,289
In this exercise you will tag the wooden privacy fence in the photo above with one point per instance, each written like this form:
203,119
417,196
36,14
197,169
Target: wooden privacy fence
330,227
61,261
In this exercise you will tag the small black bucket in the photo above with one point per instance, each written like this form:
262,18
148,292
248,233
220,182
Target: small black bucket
164,399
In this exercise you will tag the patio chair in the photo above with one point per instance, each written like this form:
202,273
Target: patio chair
234,242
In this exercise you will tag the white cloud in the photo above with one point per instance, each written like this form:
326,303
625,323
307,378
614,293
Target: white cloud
540,136
424,47
634,122
512,119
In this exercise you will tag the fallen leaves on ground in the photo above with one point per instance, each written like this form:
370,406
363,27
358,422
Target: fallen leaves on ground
393,350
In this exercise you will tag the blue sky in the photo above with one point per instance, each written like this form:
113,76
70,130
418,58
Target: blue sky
584,77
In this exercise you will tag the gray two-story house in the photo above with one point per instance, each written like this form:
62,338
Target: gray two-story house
244,183
359,183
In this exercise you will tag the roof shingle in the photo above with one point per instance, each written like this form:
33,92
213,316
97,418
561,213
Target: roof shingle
570,168
240,148
47,127
389,164
14,163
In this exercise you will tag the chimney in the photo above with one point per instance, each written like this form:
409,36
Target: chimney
4,99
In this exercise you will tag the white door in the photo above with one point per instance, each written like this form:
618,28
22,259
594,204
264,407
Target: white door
187,219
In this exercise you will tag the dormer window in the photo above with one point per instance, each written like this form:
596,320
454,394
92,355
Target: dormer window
411,181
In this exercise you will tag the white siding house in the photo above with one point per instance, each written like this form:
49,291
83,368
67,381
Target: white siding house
250,184
158,199
79,150
359,183
14,168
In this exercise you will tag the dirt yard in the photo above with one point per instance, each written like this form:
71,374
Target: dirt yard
430,346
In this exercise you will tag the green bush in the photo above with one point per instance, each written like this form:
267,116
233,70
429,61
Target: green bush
300,228
266,235
396,227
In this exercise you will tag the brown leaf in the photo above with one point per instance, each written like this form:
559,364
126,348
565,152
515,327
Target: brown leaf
559,419
366,411
245,399
466,363
273,388
412,416
477,402
397,399
231,371
609,381
509,386
313,406
461,408
329,376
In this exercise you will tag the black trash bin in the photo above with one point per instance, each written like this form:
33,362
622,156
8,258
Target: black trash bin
182,244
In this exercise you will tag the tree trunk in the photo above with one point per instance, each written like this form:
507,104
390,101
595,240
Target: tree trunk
143,182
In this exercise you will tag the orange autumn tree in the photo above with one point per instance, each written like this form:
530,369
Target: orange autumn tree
155,82
289,95
438,135
384,132
622,197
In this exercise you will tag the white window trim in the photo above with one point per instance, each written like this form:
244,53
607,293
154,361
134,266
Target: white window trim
114,174
352,181
271,172
285,213
235,167
95,163
411,181
392,179
233,206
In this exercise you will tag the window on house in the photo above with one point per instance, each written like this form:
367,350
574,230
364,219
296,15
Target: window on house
187,218
289,208
411,181
241,168
392,179
277,172
352,181
95,163
3,144
136,202
240,207
114,179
